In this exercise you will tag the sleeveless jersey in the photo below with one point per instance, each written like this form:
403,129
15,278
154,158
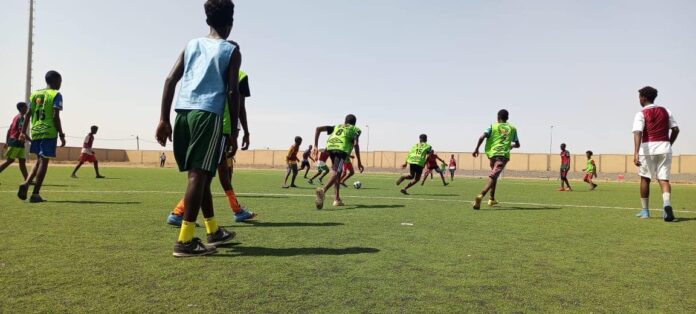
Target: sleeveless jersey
342,138
41,106
418,154
590,168
499,141
226,119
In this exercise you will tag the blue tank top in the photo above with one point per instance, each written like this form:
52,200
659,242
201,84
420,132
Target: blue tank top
204,83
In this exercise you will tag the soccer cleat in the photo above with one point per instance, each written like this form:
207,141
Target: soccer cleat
244,215
286,187
644,214
562,190
668,214
310,181
594,186
569,190
477,202
293,185
36,198
337,203
175,220
193,248
344,184
22,192
398,181
404,192
492,202
220,236
446,184
100,177
320,198
73,176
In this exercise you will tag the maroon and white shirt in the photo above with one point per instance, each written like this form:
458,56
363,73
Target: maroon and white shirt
87,144
654,122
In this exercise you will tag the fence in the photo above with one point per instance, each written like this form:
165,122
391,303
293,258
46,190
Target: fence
388,160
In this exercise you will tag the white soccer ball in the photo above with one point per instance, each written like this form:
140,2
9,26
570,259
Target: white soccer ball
357,184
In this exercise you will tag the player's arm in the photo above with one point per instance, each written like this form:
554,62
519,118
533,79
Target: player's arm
594,171
328,129
245,125
478,144
356,146
516,141
673,135
23,129
637,139
233,95
164,128
59,126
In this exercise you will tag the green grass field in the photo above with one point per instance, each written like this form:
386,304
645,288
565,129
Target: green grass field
103,246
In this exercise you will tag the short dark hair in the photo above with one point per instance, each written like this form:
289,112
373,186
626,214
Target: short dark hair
21,104
298,139
219,13
93,127
503,114
423,137
589,152
53,77
351,119
648,92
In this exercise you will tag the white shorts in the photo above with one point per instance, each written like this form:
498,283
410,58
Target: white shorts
655,166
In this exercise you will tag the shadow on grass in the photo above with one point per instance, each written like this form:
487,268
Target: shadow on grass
243,196
303,251
525,208
285,224
93,202
378,206
684,219
435,194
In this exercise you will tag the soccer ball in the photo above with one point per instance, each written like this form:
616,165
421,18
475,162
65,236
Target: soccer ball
357,184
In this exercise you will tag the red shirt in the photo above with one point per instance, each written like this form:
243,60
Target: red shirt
453,163
565,157
656,127
323,156
16,127
431,161
89,140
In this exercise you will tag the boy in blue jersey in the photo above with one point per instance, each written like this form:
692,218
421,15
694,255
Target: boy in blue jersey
209,67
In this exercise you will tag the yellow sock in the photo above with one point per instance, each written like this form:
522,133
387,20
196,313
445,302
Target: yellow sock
232,199
187,231
211,225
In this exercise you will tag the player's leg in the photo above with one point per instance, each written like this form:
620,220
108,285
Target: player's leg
416,172
347,176
5,164
425,176
663,169
644,198
23,168
337,159
307,170
294,176
79,164
442,176
287,176
96,169
40,176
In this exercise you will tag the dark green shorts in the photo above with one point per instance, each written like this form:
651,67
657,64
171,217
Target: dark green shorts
198,140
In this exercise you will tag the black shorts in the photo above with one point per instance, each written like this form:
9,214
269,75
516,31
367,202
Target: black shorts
305,163
415,170
338,158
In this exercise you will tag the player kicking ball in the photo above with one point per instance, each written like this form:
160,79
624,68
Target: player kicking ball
343,138
501,138
415,161
431,162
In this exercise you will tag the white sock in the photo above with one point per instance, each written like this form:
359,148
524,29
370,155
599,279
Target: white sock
666,199
644,203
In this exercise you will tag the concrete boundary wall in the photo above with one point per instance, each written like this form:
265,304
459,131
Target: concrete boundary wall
390,160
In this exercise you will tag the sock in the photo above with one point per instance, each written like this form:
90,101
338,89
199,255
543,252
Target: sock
232,199
644,203
179,209
666,199
211,225
187,231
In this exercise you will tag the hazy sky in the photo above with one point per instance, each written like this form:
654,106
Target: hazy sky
403,67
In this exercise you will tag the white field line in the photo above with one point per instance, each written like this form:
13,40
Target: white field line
353,196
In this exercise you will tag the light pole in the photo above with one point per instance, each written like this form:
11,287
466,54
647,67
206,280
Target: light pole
137,141
367,149
30,45
550,148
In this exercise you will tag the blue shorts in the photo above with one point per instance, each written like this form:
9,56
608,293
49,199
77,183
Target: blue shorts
44,147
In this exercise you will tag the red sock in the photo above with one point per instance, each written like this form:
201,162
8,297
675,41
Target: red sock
179,209
232,199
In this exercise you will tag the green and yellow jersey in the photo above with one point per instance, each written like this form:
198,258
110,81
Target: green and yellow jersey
418,153
244,92
500,137
342,138
42,104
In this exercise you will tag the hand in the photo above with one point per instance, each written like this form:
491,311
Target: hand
636,160
245,141
62,140
360,167
475,153
163,133
232,142
403,166
315,153
23,137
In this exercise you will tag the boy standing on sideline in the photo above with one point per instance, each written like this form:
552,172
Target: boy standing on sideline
452,167
163,159
590,170
209,67
652,152
501,138
88,154
15,147
415,161
565,167
306,157
291,160
343,138
45,106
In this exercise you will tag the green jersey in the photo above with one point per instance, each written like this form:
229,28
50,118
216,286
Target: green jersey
42,103
418,154
590,168
342,138
500,138
244,92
